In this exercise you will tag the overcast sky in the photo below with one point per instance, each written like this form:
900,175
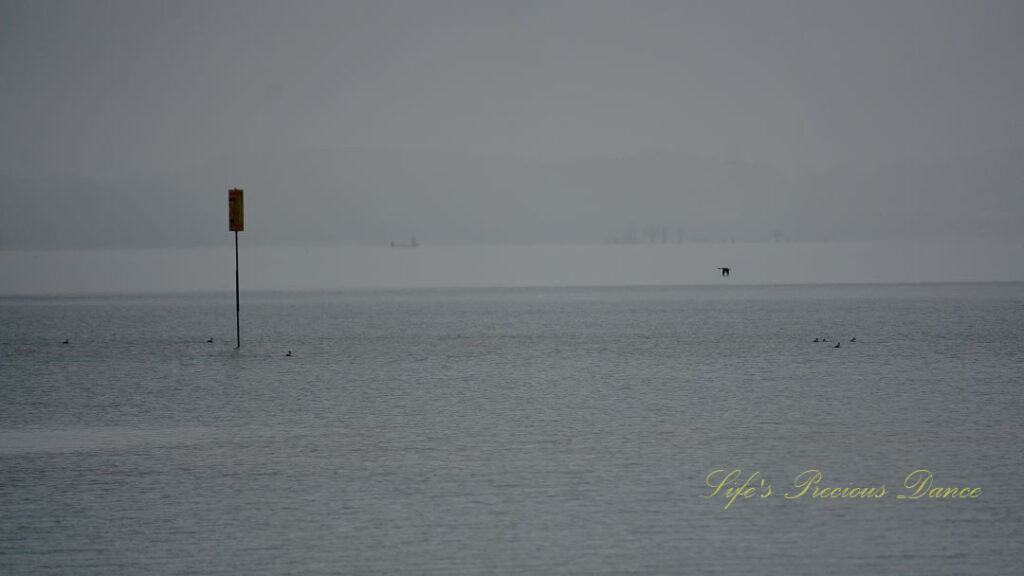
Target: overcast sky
517,122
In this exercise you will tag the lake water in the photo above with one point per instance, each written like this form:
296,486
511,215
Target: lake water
513,431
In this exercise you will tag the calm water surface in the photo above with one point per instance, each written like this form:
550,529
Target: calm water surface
531,431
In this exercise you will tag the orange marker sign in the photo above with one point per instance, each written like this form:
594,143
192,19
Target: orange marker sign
236,211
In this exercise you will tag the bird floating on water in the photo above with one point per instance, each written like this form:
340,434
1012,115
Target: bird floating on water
209,341
65,341
289,354
837,345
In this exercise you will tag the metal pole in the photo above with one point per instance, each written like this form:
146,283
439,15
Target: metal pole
238,321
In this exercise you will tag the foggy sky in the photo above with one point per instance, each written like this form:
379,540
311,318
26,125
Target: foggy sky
467,122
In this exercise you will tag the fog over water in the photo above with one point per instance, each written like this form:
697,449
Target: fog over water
330,267
508,124
484,324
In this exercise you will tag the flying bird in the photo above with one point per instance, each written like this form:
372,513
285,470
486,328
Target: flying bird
725,272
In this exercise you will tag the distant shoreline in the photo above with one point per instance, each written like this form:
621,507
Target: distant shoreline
318,268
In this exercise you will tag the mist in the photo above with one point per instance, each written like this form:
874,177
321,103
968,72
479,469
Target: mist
358,124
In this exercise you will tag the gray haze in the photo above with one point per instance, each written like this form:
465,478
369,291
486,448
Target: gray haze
577,122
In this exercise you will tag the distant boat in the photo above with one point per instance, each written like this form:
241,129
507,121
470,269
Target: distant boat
411,244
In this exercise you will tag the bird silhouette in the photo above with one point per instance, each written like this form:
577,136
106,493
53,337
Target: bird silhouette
725,272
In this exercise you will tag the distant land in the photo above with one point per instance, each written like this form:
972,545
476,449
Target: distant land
339,267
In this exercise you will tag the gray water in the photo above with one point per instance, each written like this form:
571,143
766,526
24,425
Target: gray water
519,431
